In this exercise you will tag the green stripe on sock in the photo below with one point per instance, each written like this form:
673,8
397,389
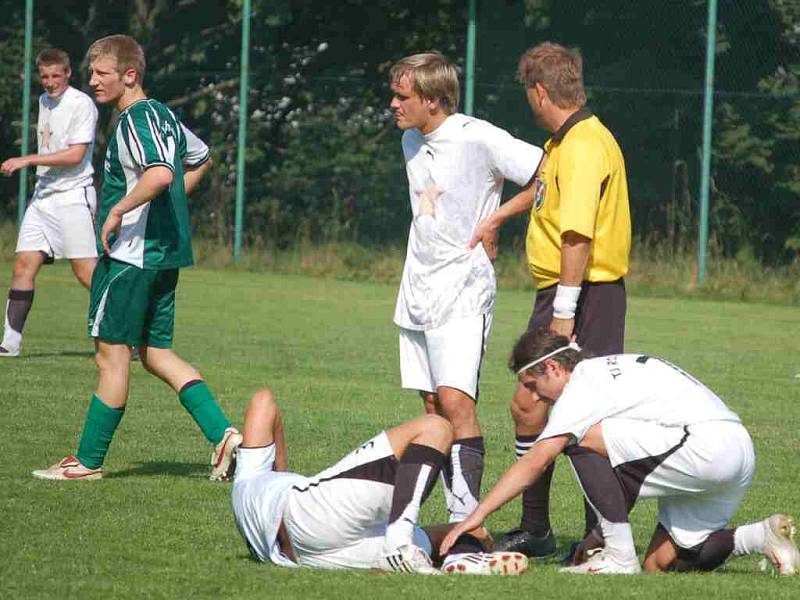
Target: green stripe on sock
98,430
201,404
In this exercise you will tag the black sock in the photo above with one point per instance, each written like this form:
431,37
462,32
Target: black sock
466,543
18,307
599,483
419,466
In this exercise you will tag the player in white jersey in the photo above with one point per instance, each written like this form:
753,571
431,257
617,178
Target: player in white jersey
665,435
456,167
59,222
361,513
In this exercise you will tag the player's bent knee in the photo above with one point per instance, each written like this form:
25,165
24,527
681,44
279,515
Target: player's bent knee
439,426
264,396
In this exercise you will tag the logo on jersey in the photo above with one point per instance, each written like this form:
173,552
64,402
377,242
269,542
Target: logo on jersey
539,193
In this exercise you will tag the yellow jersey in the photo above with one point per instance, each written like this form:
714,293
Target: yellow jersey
584,190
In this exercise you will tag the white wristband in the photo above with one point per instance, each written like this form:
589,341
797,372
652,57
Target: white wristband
566,301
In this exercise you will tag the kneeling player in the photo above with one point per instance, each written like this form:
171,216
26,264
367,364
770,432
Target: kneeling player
636,426
361,513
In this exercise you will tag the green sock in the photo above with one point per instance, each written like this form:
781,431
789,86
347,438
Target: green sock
98,430
201,404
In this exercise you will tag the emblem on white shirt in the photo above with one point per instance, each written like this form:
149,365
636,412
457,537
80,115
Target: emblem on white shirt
428,198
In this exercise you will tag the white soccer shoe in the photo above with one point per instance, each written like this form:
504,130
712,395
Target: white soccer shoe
408,559
604,563
68,469
779,544
486,563
6,353
223,462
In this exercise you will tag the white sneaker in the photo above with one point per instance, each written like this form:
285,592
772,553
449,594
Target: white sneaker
68,469
604,563
486,563
408,559
223,462
779,544
6,353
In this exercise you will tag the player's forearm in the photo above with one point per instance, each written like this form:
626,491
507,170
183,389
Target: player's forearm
519,204
522,474
575,250
154,181
193,175
63,158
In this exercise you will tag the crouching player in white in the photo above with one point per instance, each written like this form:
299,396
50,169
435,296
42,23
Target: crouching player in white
665,435
362,512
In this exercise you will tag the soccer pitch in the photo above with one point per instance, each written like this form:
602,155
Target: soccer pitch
156,527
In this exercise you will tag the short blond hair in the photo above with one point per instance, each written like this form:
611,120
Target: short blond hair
124,49
53,56
432,77
558,69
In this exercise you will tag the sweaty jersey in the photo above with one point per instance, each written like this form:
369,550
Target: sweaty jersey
455,179
636,387
65,121
157,234
584,190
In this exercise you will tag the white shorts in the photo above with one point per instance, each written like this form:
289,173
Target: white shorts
449,355
707,471
61,225
338,520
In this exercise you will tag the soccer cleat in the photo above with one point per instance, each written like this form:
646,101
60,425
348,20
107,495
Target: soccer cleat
604,563
524,542
408,559
486,563
5,353
223,462
779,544
69,469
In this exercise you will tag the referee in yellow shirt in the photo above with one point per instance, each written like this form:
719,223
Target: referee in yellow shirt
578,242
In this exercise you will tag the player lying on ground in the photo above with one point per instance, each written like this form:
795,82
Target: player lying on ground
665,435
152,163
59,222
362,512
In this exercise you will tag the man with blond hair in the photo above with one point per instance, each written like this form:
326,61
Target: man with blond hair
59,222
578,242
456,167
152,163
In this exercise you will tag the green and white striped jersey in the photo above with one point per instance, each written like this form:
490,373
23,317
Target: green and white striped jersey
158,234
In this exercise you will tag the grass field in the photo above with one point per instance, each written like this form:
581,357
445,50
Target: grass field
155,527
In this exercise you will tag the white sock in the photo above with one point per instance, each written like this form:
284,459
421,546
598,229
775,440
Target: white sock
618,539
11,338
749,539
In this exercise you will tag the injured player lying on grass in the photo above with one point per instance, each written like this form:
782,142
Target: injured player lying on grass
362,512
635,426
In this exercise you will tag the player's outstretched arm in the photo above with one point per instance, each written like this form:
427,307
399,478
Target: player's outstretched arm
152,183
522,474
63,158
193,175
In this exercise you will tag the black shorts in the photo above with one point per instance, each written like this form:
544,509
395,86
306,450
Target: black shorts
599,318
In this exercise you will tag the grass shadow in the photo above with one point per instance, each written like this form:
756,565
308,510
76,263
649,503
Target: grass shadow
157,468
79,353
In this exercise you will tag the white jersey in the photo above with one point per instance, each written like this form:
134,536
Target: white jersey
455,179
634,387
259,498
64,121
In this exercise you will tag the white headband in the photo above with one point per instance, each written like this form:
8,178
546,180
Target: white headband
570,346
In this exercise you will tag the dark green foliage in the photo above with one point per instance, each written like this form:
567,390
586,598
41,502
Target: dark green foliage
323,156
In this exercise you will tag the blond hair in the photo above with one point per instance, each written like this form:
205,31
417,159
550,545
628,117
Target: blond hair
124,49
558,69
431,76
53,56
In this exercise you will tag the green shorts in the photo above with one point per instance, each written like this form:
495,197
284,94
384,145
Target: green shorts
133,306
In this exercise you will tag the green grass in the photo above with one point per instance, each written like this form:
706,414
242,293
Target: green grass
155,527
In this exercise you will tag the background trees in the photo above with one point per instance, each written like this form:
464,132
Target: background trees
323,155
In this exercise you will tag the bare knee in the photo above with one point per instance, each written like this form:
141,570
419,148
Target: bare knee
112,360
25,269
438,427
527,415
263,398
651,564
